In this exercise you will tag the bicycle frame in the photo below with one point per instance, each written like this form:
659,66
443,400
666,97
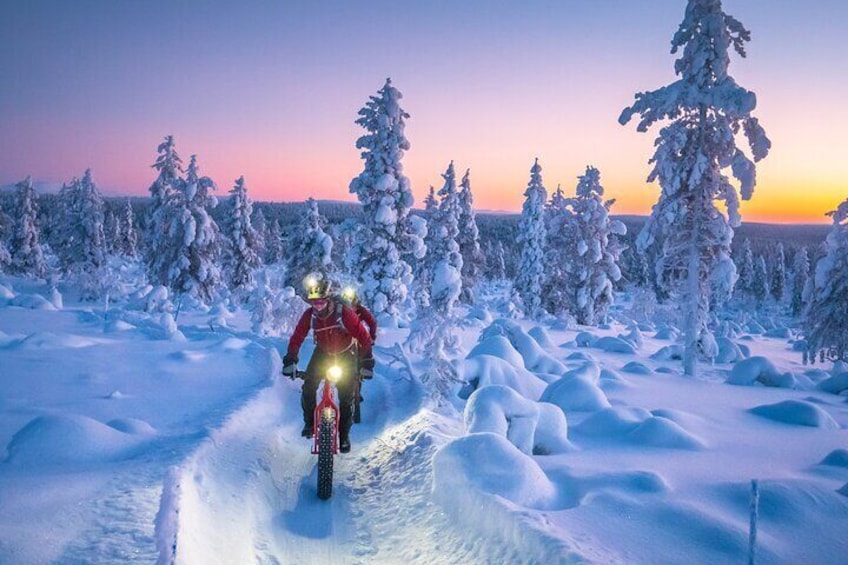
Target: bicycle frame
327,403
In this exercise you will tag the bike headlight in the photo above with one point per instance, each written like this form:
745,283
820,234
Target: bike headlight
334,373
349,293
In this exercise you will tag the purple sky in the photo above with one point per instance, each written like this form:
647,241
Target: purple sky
270,90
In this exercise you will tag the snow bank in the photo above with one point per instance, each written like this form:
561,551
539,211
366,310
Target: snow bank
498,346
70,439
760,370
728,351
657,431
673,352
796,412
611,421
541,336
489,463
49,340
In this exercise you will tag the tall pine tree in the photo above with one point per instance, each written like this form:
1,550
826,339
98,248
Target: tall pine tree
386,237
468,239
27,258
531,239
243,245
706,108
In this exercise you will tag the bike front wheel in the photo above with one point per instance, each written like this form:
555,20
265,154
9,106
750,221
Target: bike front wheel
326,439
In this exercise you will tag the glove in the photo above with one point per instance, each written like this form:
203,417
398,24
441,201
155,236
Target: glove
366,368
290,366
373,335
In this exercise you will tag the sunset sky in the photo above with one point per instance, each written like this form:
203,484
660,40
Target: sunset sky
270,90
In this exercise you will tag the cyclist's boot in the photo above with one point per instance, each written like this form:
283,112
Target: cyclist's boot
307,430
344,444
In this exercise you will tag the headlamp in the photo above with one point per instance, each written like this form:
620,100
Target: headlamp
334,373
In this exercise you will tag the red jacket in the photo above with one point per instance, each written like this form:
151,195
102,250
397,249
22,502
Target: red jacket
369,320
334,333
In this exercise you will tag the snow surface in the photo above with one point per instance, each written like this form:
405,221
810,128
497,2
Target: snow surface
130,436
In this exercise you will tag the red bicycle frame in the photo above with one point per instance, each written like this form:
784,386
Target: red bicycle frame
327,403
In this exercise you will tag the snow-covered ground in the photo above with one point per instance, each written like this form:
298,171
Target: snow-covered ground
127,441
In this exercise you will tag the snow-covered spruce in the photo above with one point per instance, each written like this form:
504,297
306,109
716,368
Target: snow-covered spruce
706,108
591,257
386,196
82,242
243,244
128,243
800,276
26,256
431,330
531,239
310,247
825,328
468,239
778,273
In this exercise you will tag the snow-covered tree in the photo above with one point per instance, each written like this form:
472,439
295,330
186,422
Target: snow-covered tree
27,258
745,268
825,326
83,243
442,272
560,233
591,259
468,239
128,245
778,273
706,108
164,192
800,276
274,247
310,247
195,271
386,236
760,283
531,239
243,249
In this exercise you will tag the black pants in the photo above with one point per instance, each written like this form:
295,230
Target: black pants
316,371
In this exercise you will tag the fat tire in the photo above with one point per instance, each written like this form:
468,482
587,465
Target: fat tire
325,456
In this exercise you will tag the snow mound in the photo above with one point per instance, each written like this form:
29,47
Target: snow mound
611,379
535,358
49,440
780,332
728,351
32,302
541,336
637,368
498,346
132,426
673,352
580,356
585,339
835,384
657,431
615,421
577,390
614,345
759,370
489,463
667,334
532,427
483,370
844,490
796,412
551,435
501,410
118,326
836,458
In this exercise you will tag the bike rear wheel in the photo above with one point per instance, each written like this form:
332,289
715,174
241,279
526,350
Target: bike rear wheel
326,438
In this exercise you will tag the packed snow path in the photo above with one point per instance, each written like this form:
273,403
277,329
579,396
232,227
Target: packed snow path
249,494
